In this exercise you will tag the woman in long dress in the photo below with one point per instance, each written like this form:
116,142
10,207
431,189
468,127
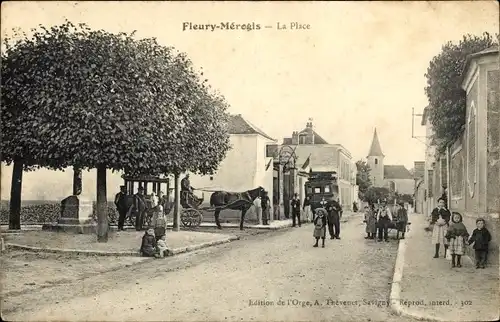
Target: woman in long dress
320,226
440,217
307,209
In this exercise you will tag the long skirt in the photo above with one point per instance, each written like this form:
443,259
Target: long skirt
308,213
438,234
457,246
371,225
319,232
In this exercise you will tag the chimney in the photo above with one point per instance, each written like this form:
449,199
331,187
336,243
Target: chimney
295,138
310,133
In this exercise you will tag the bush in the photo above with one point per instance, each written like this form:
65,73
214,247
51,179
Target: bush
49,212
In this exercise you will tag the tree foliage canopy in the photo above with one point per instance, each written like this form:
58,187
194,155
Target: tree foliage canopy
363,177
76,97
444,92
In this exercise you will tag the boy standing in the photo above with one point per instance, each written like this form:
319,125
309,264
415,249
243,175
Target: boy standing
481,238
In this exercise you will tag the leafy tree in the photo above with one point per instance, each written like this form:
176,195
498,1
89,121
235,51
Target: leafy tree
374,194
363,177
93,99
444,92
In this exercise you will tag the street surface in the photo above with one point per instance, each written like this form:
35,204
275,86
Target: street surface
267,276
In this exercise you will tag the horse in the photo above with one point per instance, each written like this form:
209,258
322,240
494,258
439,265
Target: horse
234,201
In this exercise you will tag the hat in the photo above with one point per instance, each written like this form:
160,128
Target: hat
141,188
122,187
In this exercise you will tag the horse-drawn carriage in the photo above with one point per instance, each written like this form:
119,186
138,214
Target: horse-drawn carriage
191,213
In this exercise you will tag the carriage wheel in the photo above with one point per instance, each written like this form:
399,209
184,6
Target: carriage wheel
190,217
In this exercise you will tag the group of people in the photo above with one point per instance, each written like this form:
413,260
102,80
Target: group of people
449,230
379,218
139,205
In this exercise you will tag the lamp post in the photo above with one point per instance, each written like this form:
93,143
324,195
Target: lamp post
287,159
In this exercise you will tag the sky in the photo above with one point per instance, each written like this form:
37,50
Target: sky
360,66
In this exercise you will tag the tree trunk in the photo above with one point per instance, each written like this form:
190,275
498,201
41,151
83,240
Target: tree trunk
77,181
177,208
102,207
15,195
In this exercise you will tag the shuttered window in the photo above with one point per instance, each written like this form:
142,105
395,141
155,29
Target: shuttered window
471,149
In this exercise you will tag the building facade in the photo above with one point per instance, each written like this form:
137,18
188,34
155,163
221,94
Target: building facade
245,166
474,159
394,177
315,154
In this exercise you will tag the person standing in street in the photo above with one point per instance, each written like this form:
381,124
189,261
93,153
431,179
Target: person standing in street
265,204
401,220
371,221
307,209
384,217
334,211
480,238
295,210
320,226
457,235
139,208
121,207
440,218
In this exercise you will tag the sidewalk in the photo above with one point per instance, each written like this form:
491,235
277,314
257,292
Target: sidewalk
126,243
273,225
427,288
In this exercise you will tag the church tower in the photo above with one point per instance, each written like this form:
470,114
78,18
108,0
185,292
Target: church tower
375,161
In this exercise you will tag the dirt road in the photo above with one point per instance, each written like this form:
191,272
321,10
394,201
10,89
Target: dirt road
271,276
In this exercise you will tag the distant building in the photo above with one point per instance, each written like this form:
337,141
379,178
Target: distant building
319,156
244,167
394,177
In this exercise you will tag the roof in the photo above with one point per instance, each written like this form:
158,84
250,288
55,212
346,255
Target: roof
317,138
488,51
375,149
238,125
323,157
397,172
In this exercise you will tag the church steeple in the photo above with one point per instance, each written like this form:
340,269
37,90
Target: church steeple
375,149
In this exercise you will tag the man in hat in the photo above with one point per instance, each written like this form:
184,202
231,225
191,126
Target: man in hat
186,190
121,207
384,217
334,211
401,220
139,208
295,204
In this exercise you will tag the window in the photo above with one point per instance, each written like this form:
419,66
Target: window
211,178
376,161
309,190
471,149
317,190
457,175
444,173
327,189
302,139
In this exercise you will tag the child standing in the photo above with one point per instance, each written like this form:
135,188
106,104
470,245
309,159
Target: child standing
457,236
371,222
481,238
320,226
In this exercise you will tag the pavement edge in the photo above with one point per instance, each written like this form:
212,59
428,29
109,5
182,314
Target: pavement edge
173,252
395,296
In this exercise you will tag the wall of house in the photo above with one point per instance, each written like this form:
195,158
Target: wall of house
238,171
474,173
403,186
